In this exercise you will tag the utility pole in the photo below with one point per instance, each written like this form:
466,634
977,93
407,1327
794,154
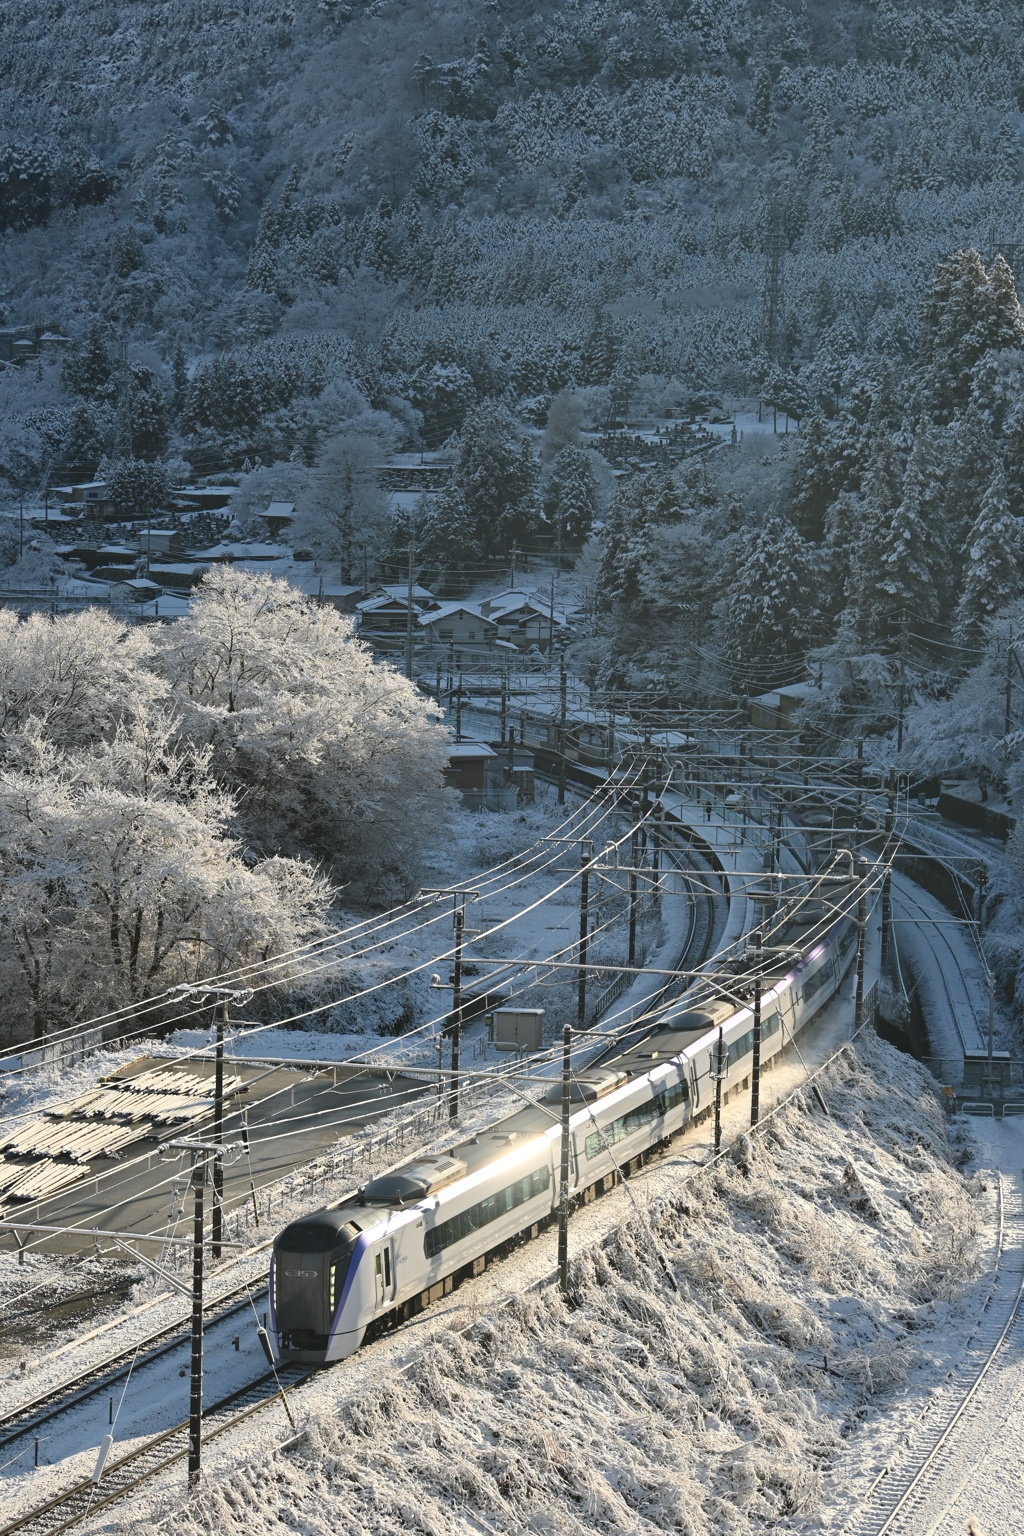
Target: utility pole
562,689
409,613
503,719
755,1080
586,856
217,1222
990,1066
903,680
459,920
458,711
633,853
862,924
563,1170
195,1399
719,1072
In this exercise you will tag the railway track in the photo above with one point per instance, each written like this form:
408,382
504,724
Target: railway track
900,1494
28,1418
963,1006
122,1475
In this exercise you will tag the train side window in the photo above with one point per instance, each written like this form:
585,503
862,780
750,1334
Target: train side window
377,1265
387,1266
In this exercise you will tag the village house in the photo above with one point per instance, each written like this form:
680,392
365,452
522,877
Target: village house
91,499
524,619
461,625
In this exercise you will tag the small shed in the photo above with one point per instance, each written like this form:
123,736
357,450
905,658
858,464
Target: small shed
162,541
180,577
467,769
138,590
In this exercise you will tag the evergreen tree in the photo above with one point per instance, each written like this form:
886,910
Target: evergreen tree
138,489
770,606
971,458
627,549
994,553
814,487
968,312
497,474
570,497
89,370
447,539
760,113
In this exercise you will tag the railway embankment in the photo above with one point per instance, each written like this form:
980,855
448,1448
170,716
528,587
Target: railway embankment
747,1337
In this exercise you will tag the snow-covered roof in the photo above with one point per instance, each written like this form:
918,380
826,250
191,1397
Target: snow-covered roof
470,749
139,584
280,509
236,550
402,590
385,601
505,604
449,610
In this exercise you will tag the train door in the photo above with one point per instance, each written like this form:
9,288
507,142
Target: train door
384,1274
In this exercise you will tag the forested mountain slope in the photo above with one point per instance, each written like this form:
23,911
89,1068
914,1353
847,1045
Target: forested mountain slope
531,195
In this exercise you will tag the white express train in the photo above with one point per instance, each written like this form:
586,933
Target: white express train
345,1273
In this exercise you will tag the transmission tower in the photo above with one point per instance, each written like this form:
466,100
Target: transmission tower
775,246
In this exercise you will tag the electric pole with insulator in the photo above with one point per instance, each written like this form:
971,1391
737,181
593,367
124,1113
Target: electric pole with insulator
459,922
563,1166
718,1068
586,857
862,924
195,1399
755,1080
408,616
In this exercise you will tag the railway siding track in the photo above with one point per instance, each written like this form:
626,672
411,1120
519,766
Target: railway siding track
123,1475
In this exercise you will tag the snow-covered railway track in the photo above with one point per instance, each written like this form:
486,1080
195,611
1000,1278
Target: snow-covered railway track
28,1418
899,1501
122,1475
954,986
689,856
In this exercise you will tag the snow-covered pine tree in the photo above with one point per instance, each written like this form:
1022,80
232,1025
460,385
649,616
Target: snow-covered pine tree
993,566
967,313
497,474
570,497
760,112
770,609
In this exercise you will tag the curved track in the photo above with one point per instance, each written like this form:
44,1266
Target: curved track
953,987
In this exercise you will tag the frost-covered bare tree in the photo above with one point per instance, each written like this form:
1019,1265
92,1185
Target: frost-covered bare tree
331,754
119,877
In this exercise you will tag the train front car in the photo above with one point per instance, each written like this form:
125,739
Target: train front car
311,1262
